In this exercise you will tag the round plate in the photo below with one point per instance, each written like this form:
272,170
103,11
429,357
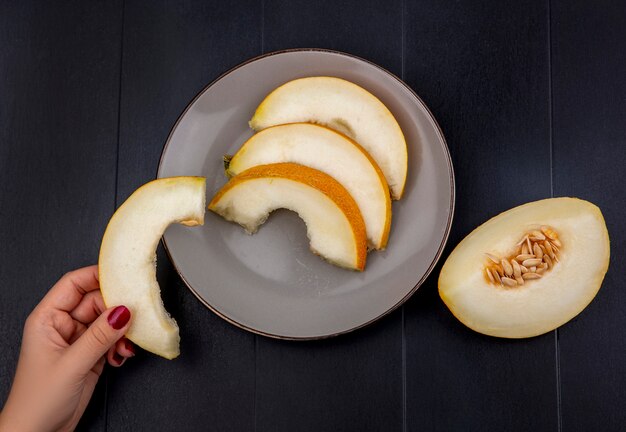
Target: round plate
270,283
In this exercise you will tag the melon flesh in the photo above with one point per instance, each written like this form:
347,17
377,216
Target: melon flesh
334,224
127,262
539,305
347,108
332,153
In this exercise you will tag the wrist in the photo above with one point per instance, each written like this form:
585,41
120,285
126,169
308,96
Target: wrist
11,419
8,421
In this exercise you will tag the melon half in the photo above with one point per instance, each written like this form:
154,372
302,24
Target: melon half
323,149
334,224
529,270
127,262
347,108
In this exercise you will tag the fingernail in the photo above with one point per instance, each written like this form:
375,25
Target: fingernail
129,346
118,359
119,317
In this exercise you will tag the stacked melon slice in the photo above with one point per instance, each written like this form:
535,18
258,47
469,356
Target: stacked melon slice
328,150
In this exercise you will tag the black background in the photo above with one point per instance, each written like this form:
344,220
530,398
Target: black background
531,96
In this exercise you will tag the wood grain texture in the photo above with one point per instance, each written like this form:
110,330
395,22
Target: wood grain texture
353,382
59,76
171,51
589,142
483,69
349,383
366,28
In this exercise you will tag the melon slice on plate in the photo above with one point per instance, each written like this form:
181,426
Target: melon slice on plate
332,153
347,108
334,224
528,270
127,263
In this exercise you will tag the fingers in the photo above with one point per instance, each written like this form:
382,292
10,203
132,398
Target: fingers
89,308
79,329
67,293
122,350
95,342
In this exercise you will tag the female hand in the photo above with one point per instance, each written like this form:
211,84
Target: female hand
66,340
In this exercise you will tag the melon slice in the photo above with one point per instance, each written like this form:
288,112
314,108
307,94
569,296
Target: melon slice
334,224
347,108
127,262
528,270
332,153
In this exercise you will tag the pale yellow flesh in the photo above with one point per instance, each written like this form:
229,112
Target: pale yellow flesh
330,152
127,263
250,202
539,305
347,108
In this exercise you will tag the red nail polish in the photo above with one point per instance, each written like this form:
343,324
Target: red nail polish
129,346
119,317
118,359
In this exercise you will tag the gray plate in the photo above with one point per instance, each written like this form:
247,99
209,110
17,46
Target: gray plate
270,283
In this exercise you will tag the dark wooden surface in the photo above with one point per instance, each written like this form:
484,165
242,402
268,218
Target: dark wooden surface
531,96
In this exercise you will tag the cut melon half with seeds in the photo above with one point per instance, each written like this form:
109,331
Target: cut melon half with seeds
127,262
347,108
333,220
323,149
529,270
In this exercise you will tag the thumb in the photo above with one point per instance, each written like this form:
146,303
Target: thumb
94,343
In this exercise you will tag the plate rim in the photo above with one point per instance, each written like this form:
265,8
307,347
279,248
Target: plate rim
442,244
